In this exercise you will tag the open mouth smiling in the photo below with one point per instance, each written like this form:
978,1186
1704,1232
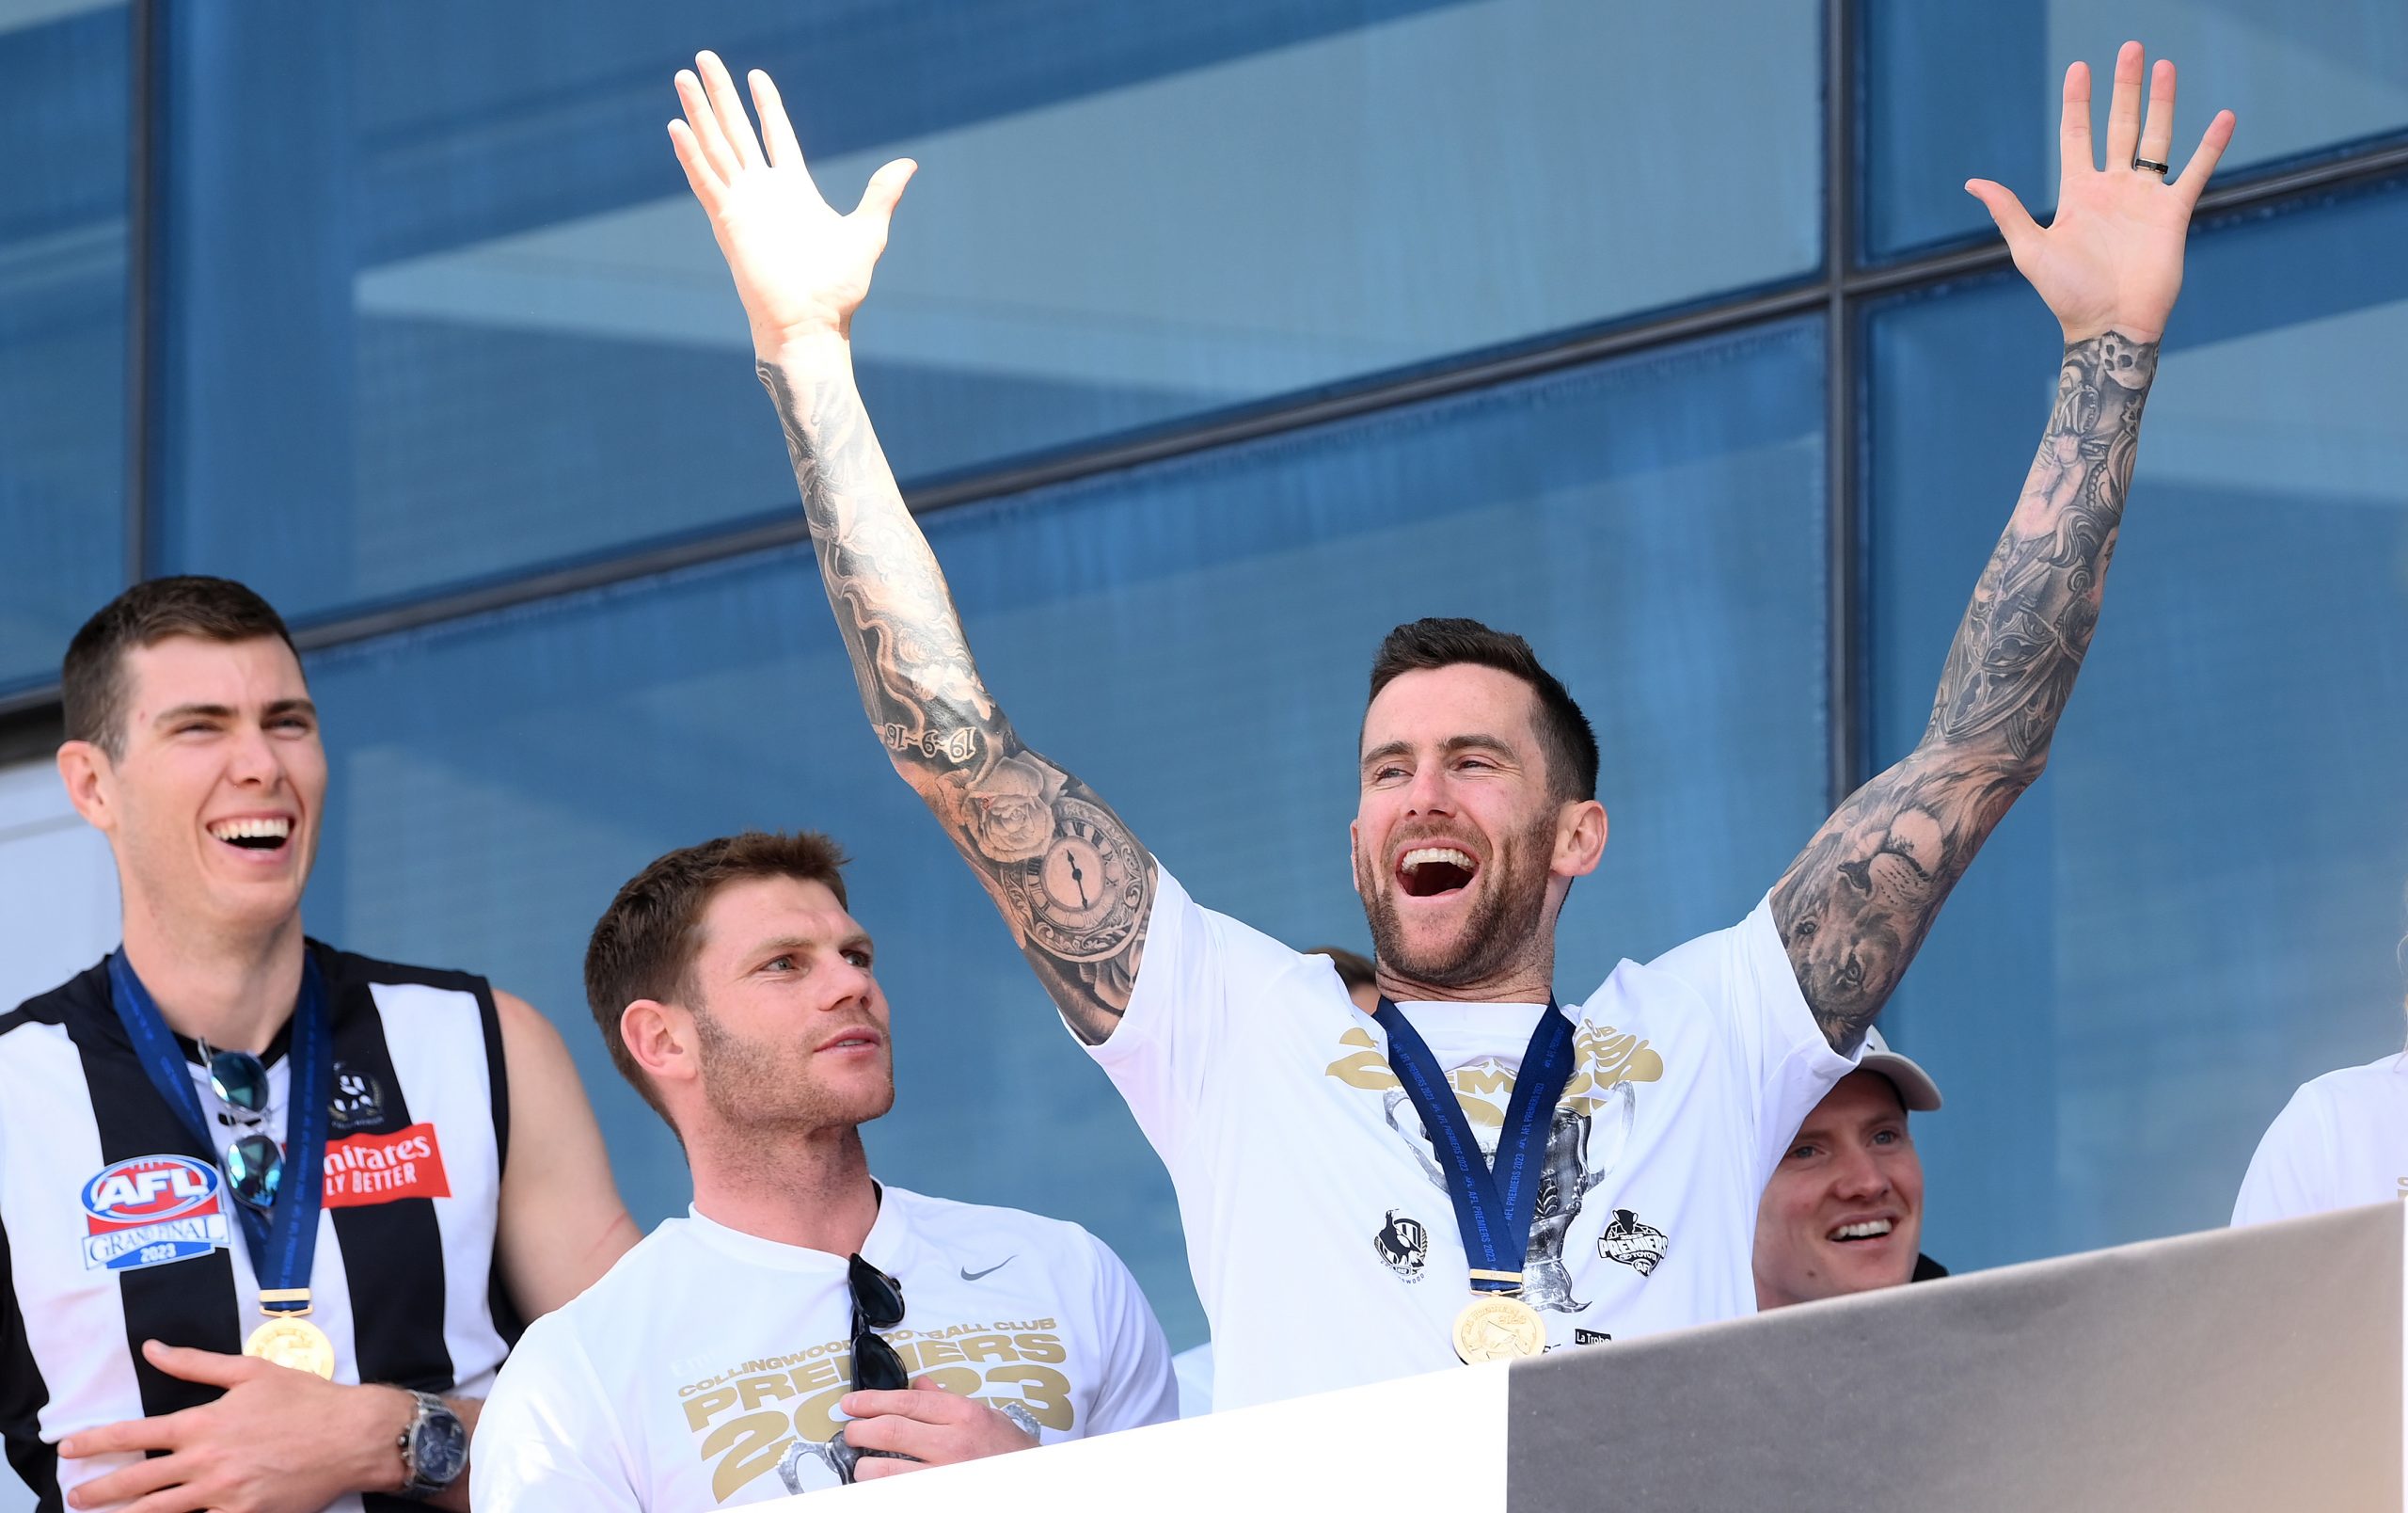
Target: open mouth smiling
1430,871
257,834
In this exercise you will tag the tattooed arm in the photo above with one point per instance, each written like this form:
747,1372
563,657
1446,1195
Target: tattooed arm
1855,906
1072,883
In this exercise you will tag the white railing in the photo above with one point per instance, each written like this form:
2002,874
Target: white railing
2256,1369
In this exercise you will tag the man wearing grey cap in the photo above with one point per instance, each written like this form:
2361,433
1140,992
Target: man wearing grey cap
1844,1211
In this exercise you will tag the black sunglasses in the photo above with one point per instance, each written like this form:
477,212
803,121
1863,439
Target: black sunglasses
878,1304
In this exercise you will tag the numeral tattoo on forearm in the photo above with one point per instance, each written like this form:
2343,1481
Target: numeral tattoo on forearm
1857,903
1073,884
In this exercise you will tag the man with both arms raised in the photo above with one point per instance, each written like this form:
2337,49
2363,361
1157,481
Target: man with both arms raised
1310,1143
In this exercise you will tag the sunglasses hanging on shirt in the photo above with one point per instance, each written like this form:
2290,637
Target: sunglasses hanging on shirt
253,1162
878,1304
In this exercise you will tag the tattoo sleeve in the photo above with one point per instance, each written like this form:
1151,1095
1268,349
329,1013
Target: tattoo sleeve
1855,906
1072,883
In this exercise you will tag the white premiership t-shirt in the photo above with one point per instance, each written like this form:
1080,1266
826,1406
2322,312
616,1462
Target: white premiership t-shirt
705,1368
2342,1140
1319,1229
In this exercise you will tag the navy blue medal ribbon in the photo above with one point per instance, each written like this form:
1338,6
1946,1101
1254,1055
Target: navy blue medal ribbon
1494,1205
284,1240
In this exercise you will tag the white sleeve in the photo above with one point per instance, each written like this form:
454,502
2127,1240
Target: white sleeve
1747,979
545,1441
2291,1174
1163,1054
1139,1385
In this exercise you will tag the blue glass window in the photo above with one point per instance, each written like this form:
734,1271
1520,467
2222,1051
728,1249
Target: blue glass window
1958,91
493,331
2195,909
1193,638
63,89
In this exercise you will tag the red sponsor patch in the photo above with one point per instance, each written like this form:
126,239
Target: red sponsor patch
378,1169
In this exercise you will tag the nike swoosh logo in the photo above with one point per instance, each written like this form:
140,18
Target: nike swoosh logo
968,1275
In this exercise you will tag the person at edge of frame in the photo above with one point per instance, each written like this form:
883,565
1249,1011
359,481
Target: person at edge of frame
2341,1142
194,1322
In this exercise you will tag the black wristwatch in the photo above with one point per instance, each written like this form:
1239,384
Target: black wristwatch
434,1447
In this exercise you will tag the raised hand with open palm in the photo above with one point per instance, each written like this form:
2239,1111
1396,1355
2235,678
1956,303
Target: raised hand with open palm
801,268
1855,905
2111,258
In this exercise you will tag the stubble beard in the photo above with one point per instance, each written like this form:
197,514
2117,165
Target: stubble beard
769,1090
1508,915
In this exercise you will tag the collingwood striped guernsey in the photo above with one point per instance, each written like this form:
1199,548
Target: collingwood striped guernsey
115,1229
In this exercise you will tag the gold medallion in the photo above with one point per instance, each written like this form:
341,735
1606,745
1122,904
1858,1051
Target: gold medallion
1494,1327
286,1339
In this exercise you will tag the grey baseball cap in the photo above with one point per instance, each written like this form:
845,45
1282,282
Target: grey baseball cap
1916,1087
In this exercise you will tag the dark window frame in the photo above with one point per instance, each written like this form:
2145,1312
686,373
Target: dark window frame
1844,290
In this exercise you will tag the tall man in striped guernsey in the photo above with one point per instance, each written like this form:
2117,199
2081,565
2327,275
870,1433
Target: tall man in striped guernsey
265,1237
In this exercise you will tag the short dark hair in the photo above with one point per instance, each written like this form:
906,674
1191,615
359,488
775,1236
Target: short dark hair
644,945
1355,969
92,680
1427,645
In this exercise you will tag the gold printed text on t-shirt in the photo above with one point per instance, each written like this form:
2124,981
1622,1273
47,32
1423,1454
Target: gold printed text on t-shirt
1604,1058
747,1417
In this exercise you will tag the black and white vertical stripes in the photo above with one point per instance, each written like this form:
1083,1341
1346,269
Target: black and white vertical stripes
92,1164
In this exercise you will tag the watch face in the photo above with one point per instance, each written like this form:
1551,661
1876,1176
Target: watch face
439,1447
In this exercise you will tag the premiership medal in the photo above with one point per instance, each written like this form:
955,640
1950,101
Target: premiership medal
1493,1202
286,1340
282,1235
1496,1327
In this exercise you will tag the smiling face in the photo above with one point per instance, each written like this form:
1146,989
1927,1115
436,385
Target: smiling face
212,807
1462,852
1843,1210
790,1026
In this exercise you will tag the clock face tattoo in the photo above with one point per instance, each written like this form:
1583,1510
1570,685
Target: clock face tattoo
1082,895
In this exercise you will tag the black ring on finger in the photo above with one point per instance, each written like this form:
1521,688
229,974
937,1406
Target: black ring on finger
2161,169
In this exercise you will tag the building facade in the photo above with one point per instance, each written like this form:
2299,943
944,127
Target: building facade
1214,340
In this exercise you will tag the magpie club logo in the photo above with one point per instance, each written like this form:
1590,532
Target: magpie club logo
1404,1246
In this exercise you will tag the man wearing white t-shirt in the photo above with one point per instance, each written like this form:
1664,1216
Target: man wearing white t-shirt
1327,1182
2342,1140
803,1326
